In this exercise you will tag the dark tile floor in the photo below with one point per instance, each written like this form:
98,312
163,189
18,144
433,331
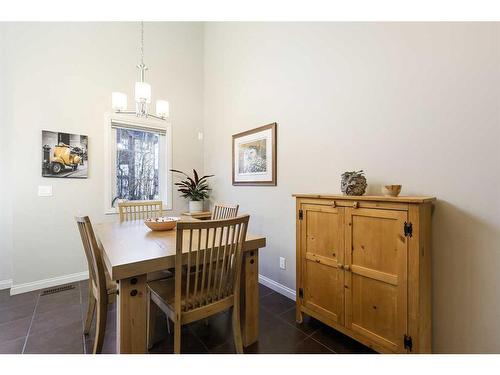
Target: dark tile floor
32,323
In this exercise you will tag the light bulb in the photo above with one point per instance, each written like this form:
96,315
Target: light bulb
118,101
162,108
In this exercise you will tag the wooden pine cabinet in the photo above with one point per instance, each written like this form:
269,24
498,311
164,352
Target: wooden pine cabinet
363,267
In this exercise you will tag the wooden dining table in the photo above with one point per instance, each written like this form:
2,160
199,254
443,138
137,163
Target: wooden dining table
131,251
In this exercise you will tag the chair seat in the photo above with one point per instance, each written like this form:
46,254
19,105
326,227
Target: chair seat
164,289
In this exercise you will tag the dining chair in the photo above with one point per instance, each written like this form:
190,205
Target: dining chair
223,211
135,210
214,248
141,210
102,290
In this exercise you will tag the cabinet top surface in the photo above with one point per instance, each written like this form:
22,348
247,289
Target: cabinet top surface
381,198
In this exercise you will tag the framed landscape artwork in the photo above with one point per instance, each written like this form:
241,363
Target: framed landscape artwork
254,156
64,155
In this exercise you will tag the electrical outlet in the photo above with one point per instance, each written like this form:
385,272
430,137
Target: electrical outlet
282,263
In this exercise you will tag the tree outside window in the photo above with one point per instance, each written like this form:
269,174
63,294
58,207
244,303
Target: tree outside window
137,165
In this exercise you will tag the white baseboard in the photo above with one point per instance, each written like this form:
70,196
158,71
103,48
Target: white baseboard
277,287
47,283
5,284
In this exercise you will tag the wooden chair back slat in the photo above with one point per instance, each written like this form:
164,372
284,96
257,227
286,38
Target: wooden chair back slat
224,263
232,254
210,265
217,263
93,255
135,210
203,271
188,272
214,253
197,271
224,211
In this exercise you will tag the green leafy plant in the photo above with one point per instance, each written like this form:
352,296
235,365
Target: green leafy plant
196,188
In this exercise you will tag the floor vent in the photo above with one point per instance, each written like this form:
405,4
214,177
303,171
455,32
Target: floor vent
57,289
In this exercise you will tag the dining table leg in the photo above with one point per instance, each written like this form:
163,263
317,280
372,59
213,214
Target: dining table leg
250,297
131,316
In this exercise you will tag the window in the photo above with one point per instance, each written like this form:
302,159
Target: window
137,170
138,162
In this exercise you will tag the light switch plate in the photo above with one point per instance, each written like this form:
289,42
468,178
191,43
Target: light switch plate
45,190
200,136
282,263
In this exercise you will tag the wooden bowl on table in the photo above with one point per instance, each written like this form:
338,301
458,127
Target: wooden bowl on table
161,223
391,190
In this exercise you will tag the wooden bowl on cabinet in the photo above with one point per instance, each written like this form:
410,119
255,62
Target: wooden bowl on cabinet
391,190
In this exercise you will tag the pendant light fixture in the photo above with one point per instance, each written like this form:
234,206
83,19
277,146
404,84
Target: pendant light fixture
142,95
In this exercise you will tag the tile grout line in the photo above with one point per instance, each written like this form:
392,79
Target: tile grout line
272,312
293,326
312,338
267,294
290,324
31,323
279,316
200,340
319,342
213,351
308,335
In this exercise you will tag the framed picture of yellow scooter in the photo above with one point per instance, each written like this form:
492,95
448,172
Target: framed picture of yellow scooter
64,155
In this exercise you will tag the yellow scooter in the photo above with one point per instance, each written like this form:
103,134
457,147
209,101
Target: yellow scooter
63,158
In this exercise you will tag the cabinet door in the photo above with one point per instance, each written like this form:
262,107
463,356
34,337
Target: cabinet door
322,255
376,265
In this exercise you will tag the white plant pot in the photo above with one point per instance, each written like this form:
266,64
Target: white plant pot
195,206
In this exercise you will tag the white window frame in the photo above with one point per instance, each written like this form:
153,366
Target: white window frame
166,193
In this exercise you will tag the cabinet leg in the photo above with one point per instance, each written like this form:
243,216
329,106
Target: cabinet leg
298,314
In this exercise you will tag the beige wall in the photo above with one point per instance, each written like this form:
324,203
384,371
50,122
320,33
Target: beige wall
59,76
5,206
416,104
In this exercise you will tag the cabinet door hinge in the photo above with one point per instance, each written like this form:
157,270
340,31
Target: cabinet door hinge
408,344
301,214
301,293
408,229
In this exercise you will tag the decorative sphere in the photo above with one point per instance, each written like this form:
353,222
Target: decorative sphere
353,183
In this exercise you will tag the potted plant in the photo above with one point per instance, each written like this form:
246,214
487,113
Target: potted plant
195,189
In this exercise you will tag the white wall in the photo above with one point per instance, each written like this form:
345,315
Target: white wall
59,76
416,104
6,208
